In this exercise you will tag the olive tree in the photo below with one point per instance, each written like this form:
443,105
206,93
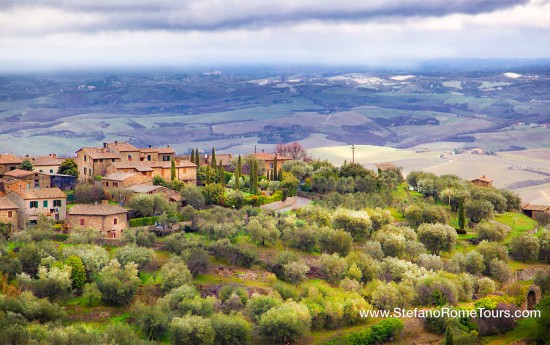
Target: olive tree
437,237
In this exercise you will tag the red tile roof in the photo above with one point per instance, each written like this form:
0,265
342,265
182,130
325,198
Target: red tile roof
100,153
18,173
46,193
96,210
7,158
44,160
122,147
483,179
270,157
7,204
139,166
119,176
167,165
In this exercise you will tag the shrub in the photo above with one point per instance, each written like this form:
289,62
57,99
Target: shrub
152,321
382,332
495,232
78,273
284,324
191,330
259,304
485,286
525,247
333,267
118,284
437,237
240,254
196,260
478,210
174,274
357,223
91,294
141,256
335,241
231,330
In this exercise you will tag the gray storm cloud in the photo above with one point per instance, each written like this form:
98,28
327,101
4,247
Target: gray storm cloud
227,14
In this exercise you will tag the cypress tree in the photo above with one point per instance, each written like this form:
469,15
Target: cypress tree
197,158
280,175
192,159
221,174
461,215
238,173
254,177
214,164
173,170
272,175
207,174
449,339
275,170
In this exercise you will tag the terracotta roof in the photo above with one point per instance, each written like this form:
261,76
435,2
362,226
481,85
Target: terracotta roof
122,147
144,188
6,204
270,157
19,173
100,153
7,158
119,176
483,179
385,166
46,193
139,166
44,160
168,165
157,149
530,207
96,210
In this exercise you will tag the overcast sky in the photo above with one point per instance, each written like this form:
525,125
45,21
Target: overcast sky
69,34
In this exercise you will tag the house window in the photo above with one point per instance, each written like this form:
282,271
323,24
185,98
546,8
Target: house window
45,203
115,221
116,184
10,214
90,172
84,158
148,157
57,203
28,186
81,222
129,157
51,171
85,171
106,183
112,160
34,204
166,158
271,165
41,170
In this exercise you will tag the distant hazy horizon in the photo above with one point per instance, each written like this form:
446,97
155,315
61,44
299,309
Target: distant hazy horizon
71,35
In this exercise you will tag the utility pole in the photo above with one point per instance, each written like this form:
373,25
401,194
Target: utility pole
353,153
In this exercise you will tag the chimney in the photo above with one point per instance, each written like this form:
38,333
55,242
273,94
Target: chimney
26,155
116,141
168,145
104,144
149,146
262,150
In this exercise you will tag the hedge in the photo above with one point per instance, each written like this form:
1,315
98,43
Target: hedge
258,200
382,332
146,221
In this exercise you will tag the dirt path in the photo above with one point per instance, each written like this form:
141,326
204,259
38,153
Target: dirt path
300,202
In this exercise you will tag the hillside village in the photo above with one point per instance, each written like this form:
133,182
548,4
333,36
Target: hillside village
128,245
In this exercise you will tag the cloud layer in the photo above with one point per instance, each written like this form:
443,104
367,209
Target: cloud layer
81,33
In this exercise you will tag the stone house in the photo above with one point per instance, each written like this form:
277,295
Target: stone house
32,203
110,220
170,194
157,154
130,167
126,151
268,160
185,170
9,162
45,164
536,208
124,180
31,179
93,161
8,213
483,181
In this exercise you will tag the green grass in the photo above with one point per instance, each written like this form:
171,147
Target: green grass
518,222
524,330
